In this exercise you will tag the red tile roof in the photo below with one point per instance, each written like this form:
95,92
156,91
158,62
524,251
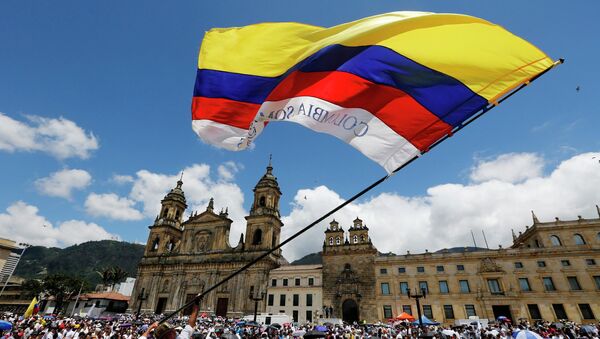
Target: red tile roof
105,295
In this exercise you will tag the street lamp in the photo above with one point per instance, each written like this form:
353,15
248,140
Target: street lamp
14,267
256,299
418,296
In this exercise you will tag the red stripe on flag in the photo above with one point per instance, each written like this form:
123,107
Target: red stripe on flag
395,108
229,112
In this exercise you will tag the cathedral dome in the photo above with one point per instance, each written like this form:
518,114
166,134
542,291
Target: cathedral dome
268,179
176,193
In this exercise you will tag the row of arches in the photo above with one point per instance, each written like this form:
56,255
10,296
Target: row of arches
169,245
578,239
167,211
355,239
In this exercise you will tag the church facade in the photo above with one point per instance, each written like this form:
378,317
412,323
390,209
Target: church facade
184,257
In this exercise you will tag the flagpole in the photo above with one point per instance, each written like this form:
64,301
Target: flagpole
77,300
484,110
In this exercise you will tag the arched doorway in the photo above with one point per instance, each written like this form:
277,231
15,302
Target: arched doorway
350,311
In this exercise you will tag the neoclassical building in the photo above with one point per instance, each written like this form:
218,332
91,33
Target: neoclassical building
551,271
183,257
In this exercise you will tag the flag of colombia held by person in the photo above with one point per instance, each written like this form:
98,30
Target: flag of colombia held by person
389,85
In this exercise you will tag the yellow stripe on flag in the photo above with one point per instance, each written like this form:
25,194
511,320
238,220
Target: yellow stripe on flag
29,311
483,56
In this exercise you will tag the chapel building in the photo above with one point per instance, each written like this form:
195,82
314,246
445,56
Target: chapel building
184,257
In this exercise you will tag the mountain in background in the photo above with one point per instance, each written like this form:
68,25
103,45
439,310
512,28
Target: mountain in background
82,260
309,259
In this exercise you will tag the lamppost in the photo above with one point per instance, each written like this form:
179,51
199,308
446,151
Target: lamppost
418,296
256,299
14,267
141,297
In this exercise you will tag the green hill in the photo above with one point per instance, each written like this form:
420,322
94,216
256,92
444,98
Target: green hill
81,260
309,259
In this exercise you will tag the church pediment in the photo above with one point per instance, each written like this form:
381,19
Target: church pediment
206,217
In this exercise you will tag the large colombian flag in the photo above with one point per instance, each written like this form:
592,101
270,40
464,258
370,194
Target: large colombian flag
389,85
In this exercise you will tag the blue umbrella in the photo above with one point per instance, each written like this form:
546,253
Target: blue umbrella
5,325
321,328
425,321
525,334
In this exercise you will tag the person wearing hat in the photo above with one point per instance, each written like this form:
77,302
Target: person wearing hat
165,331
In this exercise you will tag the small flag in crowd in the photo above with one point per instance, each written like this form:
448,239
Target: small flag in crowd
33,308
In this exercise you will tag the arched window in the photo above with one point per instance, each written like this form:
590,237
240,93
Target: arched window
598,236
262,202
337,240
164,214
257,237
170,246
537,243
362,238
578,239
555,240
330,240
155,244
355,239
177,213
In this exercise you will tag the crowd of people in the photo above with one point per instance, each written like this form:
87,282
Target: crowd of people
195,327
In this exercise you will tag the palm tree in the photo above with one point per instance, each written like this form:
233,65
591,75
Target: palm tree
118,274
106,274
112,275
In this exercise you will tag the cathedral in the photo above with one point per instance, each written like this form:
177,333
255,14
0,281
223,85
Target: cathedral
183,257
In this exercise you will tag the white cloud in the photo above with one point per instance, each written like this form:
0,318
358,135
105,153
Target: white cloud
61,138
80,231
511,167
122,179
149,189
22,223
62,183
228,170
111,206
445,216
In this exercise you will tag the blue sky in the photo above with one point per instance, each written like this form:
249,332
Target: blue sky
117,77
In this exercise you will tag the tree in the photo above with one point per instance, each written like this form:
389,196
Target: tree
119,274
62,288
32,287
112,275
106,274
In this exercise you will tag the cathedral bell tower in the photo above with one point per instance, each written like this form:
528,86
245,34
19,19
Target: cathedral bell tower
263,228
165,233
359,233
334,235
